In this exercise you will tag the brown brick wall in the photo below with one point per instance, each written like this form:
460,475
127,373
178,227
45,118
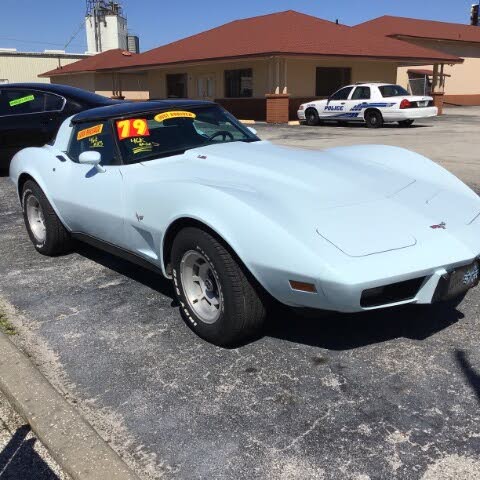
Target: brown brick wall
438,99
466,100
245,108
277,108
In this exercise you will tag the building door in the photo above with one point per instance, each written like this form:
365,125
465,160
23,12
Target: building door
177,85
206,87
330,79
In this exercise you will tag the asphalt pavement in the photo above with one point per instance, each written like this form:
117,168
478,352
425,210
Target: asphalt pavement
380,395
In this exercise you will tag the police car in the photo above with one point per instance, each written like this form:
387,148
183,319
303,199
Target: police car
372,103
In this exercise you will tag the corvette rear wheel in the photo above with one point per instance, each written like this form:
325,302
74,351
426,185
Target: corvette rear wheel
44,228
217,299
373,119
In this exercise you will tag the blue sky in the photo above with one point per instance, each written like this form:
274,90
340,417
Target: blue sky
33,25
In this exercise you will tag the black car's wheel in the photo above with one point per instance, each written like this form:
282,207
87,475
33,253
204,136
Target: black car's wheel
373,119
311,117
406,123
44,228
217,299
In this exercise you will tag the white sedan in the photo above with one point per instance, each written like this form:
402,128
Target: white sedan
372,103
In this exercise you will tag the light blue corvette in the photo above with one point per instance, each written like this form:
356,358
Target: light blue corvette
184,188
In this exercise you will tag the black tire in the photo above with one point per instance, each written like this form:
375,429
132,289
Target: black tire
311,117
57,239
373,119
242,311
406,123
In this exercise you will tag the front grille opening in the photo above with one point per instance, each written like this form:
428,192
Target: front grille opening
393,293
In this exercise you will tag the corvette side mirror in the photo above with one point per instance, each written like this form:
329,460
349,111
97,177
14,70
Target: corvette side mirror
91,158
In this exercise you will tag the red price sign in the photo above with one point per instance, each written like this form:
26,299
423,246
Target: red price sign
133,127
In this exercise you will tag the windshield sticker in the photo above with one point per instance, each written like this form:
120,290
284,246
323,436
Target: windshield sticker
19,101
95,142
179,114
133,127
90,132
140,145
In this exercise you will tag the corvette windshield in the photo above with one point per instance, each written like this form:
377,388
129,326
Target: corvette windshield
172,132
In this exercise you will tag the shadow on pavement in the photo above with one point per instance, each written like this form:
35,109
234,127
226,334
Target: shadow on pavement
332,331
146,277
472,376
19,460
348,331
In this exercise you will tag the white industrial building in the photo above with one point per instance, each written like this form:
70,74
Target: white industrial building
26,66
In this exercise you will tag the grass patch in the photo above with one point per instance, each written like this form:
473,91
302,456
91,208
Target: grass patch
6,326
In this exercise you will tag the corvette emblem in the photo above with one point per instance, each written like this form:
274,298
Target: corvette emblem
139,217
442,226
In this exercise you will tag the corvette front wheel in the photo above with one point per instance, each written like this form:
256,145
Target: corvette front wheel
217,299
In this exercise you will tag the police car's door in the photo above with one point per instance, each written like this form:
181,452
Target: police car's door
336,106
358,100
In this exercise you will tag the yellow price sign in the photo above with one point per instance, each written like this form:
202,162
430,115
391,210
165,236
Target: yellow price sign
174,114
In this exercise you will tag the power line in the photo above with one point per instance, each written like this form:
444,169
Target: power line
38,42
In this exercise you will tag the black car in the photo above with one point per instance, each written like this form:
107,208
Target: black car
31,113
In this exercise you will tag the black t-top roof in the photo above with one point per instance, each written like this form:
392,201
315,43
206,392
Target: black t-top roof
127,109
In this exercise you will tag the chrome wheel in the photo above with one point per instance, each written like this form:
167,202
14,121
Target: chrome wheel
201,286
36,219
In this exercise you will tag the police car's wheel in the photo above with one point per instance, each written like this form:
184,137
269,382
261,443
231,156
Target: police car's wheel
312,118
373,119
406,123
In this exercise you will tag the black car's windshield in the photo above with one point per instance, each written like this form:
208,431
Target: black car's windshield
174,131
392,91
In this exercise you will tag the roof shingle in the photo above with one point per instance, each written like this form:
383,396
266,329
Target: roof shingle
413,27
287,32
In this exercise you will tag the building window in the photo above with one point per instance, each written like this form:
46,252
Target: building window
239,83
330,79
177,85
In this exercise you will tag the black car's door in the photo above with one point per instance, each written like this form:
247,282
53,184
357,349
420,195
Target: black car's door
27,118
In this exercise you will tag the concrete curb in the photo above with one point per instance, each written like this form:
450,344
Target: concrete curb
69,438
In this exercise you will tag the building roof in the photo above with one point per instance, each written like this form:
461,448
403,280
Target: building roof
286,32
118,57
127,109
413,27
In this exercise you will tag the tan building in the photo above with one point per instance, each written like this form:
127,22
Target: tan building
260,67
26,66
460,81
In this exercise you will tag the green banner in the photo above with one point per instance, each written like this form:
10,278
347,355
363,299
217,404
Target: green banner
19,101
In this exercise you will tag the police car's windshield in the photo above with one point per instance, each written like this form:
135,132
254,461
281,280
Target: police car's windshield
174,131
392,91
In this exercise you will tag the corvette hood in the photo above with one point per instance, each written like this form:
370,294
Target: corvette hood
360,205
290,173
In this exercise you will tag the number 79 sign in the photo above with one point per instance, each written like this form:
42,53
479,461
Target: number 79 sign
133,127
